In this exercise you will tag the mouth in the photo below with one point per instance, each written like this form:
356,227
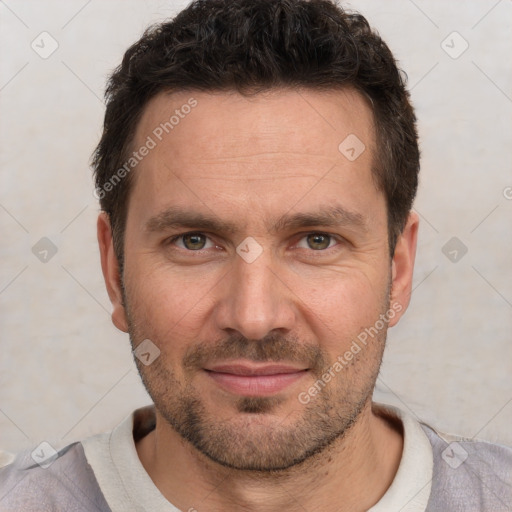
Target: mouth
250,379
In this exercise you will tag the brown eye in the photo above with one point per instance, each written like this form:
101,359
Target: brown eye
318,241
194,241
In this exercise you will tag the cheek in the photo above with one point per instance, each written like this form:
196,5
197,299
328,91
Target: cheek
342,305
168,305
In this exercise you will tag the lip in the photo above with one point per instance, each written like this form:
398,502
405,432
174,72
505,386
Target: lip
254,379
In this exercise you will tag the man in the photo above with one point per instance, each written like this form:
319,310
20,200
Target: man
256,175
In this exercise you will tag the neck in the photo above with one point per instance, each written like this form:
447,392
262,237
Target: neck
351,474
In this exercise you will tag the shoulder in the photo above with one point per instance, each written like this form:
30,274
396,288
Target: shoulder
469,474
58,481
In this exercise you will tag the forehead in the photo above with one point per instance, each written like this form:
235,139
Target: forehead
311,119
260,151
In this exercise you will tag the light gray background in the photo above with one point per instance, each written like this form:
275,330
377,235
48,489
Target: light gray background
66,372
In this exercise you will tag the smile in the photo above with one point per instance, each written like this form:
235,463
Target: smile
254,380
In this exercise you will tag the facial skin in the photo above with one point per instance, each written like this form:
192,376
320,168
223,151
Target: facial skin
248,163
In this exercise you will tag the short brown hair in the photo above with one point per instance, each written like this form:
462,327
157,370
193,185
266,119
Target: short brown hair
250,46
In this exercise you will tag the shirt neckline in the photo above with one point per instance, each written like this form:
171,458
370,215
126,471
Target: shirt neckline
410,489
127,486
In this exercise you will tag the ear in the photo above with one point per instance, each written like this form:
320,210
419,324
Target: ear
111,274
402,267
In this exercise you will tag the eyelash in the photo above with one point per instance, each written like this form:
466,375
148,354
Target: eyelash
339,239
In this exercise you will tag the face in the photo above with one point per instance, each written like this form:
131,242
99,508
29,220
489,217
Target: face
257,262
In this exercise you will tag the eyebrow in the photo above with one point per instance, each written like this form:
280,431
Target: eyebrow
329,216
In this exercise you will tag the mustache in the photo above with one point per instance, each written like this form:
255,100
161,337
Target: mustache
271,348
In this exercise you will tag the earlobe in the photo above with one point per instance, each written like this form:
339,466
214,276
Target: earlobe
402,267
111,274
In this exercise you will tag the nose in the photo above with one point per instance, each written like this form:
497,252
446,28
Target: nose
256,299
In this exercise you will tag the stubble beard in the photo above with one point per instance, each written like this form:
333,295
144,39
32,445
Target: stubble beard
255,437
